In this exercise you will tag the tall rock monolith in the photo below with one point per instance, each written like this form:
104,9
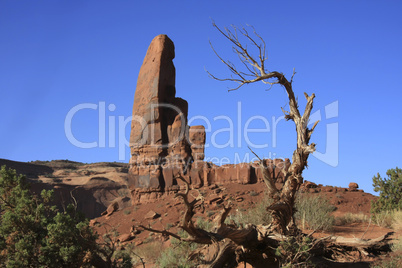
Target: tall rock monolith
159,145
155,90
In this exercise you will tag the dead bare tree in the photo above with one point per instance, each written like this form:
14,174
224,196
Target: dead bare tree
254,71
229,245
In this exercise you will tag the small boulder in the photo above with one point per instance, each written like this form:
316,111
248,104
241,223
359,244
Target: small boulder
134,230
110,209
151,215
353,186
214,199
213,186
125,237
217,191
239,199
93,222
327,189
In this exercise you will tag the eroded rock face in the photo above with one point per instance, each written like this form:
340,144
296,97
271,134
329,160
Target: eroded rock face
197,140
163,145
159,140
155,86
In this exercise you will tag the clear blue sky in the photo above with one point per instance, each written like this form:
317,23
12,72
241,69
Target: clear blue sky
55,55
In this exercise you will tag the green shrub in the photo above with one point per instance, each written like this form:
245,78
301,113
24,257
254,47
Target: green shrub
314,212
390,190
34,234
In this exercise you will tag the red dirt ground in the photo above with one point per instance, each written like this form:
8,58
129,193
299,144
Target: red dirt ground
171,209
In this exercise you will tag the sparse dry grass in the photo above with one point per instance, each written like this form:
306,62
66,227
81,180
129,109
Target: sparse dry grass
177,254
349,218
397,246
384,219
314,212
397,224
389,219
256,215
204,224
150,252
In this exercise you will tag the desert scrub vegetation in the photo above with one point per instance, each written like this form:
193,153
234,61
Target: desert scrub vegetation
314,212
397,223
390,190
256,215
148,252
169,225
349,218
204,224
387,210
295,251
177,255
389,219
112,252
397,246
33,233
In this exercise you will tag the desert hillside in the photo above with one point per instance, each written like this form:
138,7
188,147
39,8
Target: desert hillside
101,192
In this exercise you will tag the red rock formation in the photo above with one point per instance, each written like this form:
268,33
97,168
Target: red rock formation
197,141
353,186
159,118
163,145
